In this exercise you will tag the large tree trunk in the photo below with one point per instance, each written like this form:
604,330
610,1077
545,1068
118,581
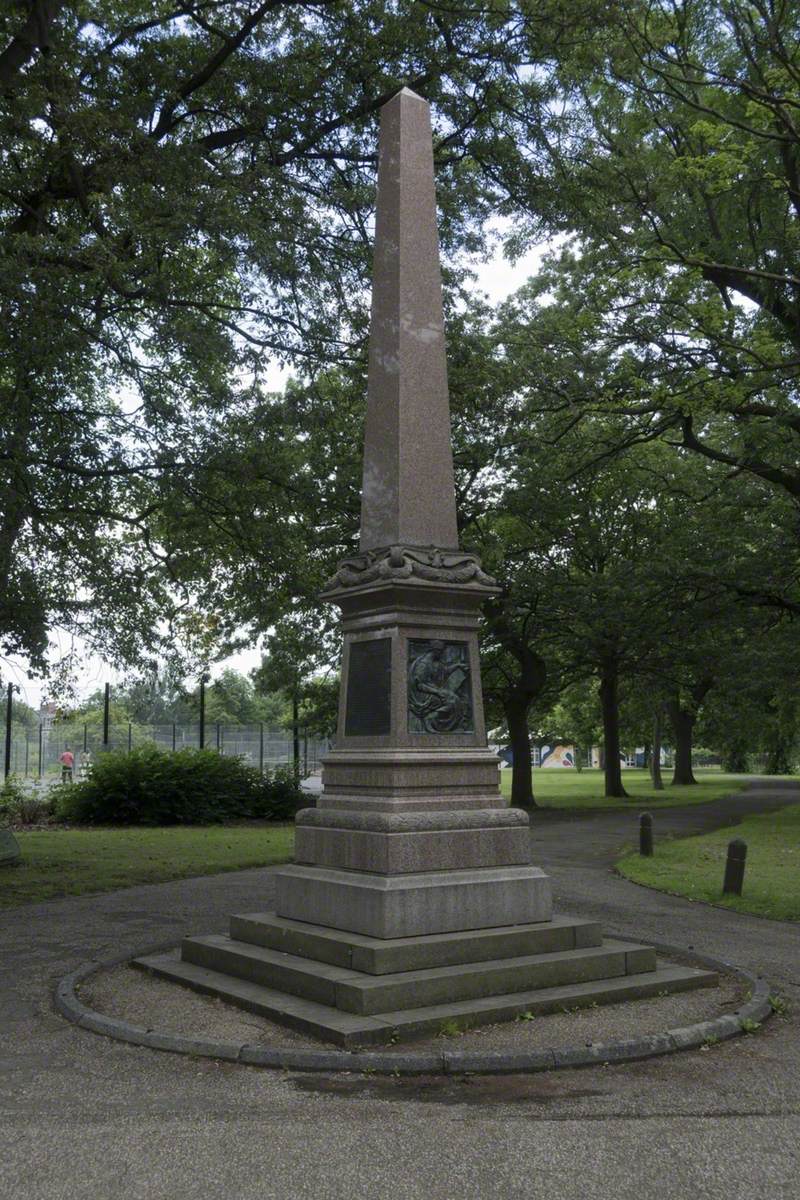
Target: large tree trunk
609,703
779,749
734,760
682,721
519,691
682,718
655,762
522,768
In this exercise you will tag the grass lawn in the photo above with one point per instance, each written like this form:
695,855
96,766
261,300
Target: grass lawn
695,866
73,862
584,789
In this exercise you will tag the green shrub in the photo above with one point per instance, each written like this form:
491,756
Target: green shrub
189,787
20,805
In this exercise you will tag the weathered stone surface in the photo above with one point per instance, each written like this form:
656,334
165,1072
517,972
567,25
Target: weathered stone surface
377,956
413,822
398,853
391,906
10,853
410,779
353,991
408,495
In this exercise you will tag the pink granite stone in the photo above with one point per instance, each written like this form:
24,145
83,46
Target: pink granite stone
408,495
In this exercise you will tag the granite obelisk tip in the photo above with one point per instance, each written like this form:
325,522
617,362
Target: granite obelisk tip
408,494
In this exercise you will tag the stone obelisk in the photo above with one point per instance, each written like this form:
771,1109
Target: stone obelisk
411,835
412,900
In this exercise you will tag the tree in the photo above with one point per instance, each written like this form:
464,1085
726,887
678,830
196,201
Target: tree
185,194
515,678
577,718
674,155
752,709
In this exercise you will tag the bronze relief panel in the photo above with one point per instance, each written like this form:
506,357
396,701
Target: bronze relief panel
439,687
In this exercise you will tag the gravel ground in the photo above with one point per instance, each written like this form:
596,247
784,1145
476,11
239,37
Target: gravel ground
131,995
87,1118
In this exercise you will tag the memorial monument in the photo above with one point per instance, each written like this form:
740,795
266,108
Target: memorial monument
412,899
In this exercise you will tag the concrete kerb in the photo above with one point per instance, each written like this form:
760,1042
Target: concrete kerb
755,1010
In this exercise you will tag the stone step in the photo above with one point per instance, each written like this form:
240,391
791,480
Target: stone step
379,956
351,1030
357,992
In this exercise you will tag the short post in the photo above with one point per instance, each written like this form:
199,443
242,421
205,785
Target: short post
106,707
734,867
646,835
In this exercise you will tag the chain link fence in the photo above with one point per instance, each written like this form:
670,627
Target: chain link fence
36,753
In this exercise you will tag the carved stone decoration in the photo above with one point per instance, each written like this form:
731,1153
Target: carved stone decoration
399,563
439,687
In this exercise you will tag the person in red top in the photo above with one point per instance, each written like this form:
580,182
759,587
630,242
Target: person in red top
67,760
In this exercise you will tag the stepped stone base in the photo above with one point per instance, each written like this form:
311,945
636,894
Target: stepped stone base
354,990
409,905
379,956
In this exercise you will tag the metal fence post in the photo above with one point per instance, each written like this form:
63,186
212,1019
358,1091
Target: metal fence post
130,737
41,748
106,705
261,748
202,739
174,734
10,694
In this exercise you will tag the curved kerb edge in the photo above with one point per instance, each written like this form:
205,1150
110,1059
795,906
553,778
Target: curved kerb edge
449,1062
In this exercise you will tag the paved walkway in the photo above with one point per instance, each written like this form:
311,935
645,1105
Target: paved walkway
82,1116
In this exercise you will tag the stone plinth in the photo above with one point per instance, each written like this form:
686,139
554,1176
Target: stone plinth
400,906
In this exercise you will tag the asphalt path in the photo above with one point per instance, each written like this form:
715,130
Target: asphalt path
83,1116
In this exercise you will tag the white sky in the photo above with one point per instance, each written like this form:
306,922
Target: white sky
496,278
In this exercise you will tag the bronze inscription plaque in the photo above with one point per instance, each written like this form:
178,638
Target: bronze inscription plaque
368,704
439,687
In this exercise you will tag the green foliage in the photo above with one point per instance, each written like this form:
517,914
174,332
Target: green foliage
189,787
451,1027
20,805
186,192
13,797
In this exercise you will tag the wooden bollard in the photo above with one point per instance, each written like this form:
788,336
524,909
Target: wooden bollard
646,835
734,867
